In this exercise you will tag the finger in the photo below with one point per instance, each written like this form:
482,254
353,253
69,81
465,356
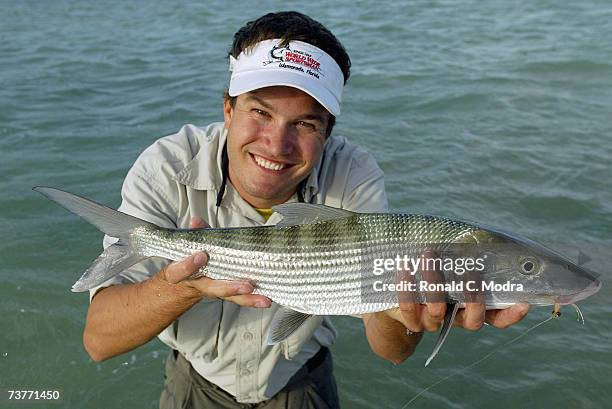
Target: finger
432,322
459,318
398,315
436,300
250,300
507,317
410,309
434,279
178,271
436,311
411,316
220,288
433,314
197,223
474,316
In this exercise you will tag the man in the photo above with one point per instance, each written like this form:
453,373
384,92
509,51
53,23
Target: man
274,146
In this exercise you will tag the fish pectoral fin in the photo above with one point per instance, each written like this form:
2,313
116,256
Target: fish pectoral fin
302,213
451,312
285,322
113,260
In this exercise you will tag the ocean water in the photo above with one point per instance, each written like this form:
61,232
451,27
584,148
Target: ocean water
498,112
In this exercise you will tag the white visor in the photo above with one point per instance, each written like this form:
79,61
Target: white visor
298,64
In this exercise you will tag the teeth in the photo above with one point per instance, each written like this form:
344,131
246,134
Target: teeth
267,164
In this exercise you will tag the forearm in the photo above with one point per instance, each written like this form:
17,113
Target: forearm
388,338
123,317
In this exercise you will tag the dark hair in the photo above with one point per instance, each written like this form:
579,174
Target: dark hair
291,26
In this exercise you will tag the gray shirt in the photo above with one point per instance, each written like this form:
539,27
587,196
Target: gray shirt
179,177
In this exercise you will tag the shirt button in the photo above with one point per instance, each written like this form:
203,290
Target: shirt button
247,336
245,372
250,364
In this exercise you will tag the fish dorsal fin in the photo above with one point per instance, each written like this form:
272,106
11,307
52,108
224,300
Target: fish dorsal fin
303,213
285,322
446,327
583,258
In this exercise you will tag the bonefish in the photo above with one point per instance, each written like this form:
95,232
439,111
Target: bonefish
321,261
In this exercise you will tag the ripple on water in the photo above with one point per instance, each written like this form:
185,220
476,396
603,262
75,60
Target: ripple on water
491,111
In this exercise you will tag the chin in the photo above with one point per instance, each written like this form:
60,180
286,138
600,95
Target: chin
269,195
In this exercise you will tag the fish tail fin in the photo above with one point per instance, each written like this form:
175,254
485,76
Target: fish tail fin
110,221
116,257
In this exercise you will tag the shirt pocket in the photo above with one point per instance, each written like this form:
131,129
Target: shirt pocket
196,334
294,343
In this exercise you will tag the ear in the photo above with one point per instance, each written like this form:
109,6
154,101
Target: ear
228,111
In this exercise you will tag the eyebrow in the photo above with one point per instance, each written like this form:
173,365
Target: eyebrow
311,116
314,117
255,98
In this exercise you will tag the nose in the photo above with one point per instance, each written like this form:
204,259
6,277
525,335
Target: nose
591,289
280,139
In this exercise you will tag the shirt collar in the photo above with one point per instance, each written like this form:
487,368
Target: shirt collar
203,172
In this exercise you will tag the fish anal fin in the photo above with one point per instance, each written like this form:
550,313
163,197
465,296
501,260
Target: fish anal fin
451,312
303,213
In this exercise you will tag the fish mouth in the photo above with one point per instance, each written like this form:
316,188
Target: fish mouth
574,298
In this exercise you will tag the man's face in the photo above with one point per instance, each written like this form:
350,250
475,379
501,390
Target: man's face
275,137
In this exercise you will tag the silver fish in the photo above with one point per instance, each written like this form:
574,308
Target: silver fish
324,261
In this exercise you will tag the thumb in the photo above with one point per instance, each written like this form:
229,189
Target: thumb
178,271
197,223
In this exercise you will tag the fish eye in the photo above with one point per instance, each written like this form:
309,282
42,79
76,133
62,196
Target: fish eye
529,266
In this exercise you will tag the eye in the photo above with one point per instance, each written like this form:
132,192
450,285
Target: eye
307,125
260,112
529,266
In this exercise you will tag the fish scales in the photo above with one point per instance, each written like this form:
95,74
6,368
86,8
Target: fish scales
322,268
321,260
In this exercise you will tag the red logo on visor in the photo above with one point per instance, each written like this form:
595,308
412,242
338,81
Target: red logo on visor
295,56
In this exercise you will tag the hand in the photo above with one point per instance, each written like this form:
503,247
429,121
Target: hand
418,317
238,292
429,316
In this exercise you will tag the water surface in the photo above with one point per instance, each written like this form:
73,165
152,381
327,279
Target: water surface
496,111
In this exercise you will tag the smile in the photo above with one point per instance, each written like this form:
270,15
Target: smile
266,164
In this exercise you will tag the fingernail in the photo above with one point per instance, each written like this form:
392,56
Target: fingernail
262,304
199,259
244,289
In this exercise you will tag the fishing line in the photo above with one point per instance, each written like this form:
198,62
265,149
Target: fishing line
554,315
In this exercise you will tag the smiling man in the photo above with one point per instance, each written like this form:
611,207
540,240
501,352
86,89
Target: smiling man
274,146
276,135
